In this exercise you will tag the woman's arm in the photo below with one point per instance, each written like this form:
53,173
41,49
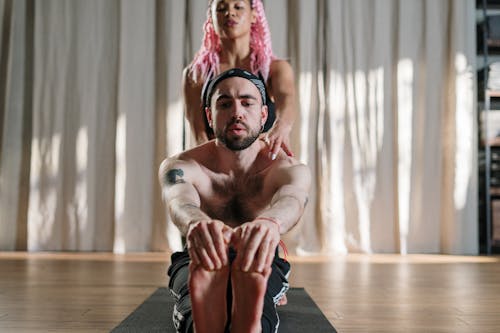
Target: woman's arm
282,89
193,106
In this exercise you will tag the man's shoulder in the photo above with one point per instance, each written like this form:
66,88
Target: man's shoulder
286,161
175,161
290,171
285,165
294,165
190,158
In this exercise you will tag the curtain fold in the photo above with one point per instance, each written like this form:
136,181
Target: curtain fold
90,104
16,94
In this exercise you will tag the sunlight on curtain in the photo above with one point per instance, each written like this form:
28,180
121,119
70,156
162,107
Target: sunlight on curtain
175,129
45,163
464,135
305,82
404,143
78,215
365,109
334,211
120,182
308,234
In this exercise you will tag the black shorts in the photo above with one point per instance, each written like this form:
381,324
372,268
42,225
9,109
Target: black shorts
178,272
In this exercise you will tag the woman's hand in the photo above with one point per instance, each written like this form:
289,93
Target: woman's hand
278,137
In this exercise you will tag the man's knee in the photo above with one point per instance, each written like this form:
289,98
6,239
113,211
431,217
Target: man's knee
182,318
178,285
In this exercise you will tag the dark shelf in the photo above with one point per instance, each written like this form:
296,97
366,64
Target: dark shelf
491,4
488,47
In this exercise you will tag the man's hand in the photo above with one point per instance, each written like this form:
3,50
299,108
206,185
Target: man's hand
255,243
208,243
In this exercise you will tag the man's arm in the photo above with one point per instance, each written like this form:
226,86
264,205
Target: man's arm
180,195
257,240
289,201
207,239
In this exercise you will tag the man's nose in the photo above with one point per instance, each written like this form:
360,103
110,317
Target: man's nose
238,110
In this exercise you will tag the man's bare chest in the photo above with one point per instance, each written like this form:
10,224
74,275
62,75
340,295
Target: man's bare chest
235,200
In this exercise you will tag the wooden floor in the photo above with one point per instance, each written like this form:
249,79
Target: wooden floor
80,292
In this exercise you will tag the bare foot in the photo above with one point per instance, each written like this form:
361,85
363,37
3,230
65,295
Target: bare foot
283,300
208,298
248,290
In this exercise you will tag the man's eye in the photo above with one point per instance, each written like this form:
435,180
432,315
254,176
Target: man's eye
247,103
225,105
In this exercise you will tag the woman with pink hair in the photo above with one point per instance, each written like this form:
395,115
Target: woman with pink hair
236,35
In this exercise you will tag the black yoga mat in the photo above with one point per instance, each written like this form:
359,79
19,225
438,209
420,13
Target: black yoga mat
301,314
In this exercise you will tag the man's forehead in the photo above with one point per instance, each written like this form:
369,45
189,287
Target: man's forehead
237,77
231,1
235,86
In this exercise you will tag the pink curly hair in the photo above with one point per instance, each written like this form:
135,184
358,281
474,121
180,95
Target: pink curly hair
206,61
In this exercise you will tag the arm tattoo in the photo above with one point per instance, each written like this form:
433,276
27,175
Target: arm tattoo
174,176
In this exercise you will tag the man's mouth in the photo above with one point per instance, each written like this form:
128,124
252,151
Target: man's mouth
236,128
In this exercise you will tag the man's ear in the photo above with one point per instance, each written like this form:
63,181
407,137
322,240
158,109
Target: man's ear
208,113
264,113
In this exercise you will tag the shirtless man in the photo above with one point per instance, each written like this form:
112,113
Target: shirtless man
232,203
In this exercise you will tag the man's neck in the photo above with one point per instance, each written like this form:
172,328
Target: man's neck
237,161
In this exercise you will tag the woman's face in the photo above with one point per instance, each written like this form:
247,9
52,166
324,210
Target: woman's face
232,18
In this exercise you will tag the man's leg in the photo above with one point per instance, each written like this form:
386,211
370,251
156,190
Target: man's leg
208,298
262,308
184,280
256,310
248,289
178,285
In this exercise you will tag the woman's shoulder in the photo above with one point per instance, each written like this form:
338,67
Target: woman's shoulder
280,68
279,64
280,71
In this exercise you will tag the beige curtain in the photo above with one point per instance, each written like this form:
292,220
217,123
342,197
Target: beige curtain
90,104
388,87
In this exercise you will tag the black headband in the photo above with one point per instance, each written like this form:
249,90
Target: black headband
209,87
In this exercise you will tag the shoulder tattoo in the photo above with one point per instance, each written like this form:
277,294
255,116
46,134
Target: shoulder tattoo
174,176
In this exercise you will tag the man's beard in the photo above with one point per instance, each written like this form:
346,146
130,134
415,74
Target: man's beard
235,142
